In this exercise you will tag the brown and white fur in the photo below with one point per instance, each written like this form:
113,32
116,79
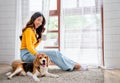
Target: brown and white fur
38,68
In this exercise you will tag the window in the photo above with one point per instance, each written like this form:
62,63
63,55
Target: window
81,31
53,39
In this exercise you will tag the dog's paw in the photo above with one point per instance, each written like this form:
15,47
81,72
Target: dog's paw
7,74
9,77
55,76
37,79
23,73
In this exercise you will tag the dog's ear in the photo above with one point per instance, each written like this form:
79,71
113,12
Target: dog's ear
48,60
36,61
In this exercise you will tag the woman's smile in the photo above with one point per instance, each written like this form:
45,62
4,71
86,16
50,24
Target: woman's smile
38,21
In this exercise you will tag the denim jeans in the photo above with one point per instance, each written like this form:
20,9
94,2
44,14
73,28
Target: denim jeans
55,56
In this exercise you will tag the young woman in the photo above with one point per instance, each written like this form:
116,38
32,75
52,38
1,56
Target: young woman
31,37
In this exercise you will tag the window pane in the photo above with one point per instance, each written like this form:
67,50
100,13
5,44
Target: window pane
56,49
75,21
70,4
81,31
53,4
53,23
82,21
35,5
52,39
86,3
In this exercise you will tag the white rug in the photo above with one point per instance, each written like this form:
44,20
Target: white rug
90,76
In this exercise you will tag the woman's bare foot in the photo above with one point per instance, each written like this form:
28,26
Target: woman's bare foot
77,66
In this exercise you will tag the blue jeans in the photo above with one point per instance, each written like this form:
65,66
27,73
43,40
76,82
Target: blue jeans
55,56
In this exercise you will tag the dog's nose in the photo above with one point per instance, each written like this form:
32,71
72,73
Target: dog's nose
43,60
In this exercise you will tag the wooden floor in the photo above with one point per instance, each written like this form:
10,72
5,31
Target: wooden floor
4,68
110,76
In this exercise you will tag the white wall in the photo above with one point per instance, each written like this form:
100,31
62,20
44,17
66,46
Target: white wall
7,30
112,33
11,18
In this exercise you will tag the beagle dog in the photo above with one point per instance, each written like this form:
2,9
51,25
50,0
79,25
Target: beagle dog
39,67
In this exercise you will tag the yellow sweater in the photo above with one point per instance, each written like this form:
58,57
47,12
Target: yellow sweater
29,41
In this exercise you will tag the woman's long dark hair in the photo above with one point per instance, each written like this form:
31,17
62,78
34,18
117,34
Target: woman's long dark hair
30,24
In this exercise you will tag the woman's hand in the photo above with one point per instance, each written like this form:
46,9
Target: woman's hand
44,37
39,39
